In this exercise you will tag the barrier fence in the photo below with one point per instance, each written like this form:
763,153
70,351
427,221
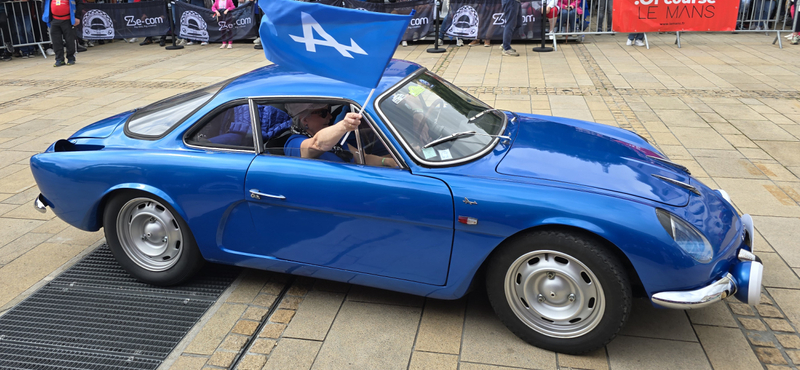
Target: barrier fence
21,26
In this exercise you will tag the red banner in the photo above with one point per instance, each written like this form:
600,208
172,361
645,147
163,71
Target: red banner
675,15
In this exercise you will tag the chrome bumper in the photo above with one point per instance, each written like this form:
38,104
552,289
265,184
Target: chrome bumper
39,204
693,299
744,281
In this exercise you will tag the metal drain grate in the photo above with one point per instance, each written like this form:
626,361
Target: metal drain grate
96,316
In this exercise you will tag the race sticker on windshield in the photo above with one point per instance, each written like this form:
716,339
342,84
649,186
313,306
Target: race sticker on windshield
416,90
444,154
429,153
397,98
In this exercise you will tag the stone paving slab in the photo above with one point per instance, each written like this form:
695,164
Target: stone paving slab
726,106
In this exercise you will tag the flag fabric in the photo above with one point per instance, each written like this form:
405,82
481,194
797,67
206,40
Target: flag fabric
344,44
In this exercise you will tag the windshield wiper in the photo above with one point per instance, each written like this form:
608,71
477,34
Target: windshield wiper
463,134
449,138
482,113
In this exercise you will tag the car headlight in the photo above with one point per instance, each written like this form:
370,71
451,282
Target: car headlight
687,236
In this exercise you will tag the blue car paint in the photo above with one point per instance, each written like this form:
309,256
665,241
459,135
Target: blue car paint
588,158
211,194
388,221
103,128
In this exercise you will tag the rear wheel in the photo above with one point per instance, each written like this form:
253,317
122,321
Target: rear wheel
149,239
559,291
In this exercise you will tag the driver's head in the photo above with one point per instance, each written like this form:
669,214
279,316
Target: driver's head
309,117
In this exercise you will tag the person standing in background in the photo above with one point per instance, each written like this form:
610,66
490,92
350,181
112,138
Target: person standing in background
60,18
511,9
224,6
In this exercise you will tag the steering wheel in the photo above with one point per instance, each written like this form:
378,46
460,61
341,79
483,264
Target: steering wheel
438,103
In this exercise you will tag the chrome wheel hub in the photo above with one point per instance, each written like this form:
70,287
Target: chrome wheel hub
554,294
149,234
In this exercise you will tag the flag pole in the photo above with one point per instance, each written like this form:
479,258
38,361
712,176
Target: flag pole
359,112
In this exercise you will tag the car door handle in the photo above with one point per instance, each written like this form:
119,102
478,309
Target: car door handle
255,194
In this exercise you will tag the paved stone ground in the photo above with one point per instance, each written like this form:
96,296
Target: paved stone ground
726,106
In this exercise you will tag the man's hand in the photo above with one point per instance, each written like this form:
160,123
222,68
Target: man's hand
77,21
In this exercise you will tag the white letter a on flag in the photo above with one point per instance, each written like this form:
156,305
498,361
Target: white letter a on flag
310,25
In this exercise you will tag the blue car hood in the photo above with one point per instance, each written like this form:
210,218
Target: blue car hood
103,128
593,155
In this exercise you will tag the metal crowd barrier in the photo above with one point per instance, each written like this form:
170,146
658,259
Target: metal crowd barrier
586,18
24,26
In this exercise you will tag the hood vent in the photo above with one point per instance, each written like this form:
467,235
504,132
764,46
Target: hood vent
678,183
670,163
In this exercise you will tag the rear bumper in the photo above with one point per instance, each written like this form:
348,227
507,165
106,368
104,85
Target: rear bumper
40,204
743,281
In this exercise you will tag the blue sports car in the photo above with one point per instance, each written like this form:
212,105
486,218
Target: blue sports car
429,192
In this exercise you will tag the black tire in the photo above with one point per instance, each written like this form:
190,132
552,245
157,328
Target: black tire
165,253
564,293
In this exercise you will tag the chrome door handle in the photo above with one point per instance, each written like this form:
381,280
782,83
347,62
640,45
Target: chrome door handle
255,194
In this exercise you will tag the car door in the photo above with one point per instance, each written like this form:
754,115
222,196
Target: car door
372,220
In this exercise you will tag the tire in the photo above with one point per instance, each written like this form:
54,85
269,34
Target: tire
559,291
149,239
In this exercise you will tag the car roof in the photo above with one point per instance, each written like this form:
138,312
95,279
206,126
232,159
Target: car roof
274,80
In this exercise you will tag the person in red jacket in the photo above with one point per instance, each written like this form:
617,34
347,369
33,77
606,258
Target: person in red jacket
60,17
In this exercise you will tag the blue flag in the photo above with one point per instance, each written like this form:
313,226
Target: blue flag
344,44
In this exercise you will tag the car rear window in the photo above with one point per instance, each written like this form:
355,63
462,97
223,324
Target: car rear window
158,118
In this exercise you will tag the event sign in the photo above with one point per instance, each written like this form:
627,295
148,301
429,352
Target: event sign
675,15
199,24
127,20
473,19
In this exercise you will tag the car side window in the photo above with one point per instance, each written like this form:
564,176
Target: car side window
362,146
230,128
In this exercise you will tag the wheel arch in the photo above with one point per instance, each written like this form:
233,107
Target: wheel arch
137,187
582,230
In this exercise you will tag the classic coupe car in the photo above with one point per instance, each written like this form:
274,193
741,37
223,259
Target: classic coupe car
564,221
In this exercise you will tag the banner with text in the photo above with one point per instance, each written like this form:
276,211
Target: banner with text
199,24
420,26
485,20
675,15
126,20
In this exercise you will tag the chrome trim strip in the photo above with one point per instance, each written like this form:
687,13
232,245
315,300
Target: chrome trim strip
698,298
39,204
744,255
255,125
670,163
489,147
678,183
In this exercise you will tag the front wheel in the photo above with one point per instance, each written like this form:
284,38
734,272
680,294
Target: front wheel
559,291
149,239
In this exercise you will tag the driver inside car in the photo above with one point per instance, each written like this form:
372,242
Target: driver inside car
313,136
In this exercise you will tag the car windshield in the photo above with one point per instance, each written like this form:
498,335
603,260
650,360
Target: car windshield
158,118
438,122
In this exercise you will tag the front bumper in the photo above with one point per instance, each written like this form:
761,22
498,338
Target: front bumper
743,281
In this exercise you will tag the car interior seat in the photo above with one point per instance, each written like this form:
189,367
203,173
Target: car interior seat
235,127
275,127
